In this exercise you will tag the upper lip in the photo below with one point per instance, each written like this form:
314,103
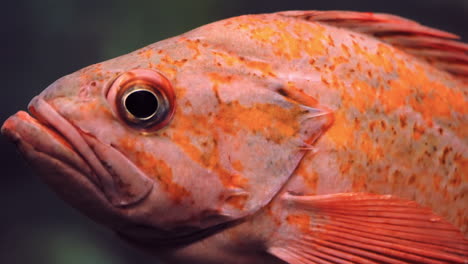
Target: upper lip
30,133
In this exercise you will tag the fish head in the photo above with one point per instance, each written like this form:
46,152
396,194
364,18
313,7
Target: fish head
169,140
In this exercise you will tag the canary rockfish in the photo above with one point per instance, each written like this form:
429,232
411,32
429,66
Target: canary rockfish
292,137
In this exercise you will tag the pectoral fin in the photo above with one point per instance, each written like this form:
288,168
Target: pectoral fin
366,228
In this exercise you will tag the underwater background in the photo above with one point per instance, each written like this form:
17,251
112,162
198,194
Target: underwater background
43,40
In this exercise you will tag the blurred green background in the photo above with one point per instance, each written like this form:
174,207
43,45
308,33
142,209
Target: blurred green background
43,40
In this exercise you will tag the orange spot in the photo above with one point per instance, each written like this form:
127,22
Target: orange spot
311,180
176,63
193,44
347,134
167,70
219,78
237,165
364,97
359,179
264,34
289,39
180,91
382,58
403,121
461,165
330,41
418,131
168,65
345,167
339,60
456,179
147,53
237,201
154,168
300,221
345,50
342,131
232,59
366,143
436,180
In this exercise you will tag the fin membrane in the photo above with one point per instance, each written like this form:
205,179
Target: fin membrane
369,228
433,45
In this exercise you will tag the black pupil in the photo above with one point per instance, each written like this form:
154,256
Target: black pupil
141,103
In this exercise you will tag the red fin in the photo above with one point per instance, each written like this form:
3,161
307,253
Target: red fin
368,228
437,46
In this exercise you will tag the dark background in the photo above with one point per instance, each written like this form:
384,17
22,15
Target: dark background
42,40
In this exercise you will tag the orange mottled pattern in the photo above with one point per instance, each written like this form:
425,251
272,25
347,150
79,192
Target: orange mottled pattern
263,106
231,117
290,40
156,168
400,127
300,221
233,60
399,124
394,115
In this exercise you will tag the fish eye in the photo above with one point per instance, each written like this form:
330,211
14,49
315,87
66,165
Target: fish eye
143,105
144,99
141,102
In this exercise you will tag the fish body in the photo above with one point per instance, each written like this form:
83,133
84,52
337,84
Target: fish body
297,137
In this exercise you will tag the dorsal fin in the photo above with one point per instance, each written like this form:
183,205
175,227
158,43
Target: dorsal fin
433,45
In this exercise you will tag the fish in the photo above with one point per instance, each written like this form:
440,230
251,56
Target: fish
291,137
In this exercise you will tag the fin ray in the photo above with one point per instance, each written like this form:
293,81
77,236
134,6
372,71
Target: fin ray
346,227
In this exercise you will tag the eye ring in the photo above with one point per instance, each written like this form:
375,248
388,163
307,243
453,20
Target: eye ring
143,99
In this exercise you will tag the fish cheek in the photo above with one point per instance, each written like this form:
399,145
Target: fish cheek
252,142
184,193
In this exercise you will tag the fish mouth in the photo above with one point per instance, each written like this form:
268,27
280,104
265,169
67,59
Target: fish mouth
48,135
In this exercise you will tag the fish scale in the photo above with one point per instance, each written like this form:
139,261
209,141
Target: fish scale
298,137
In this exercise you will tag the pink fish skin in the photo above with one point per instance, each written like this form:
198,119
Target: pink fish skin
292,137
